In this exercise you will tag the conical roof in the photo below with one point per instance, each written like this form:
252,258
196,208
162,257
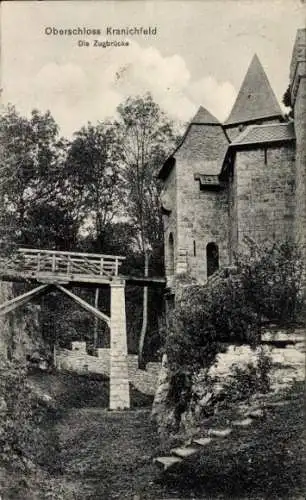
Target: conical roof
256,98
204,117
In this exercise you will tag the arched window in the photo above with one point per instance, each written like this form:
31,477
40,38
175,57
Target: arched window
171,254
212,258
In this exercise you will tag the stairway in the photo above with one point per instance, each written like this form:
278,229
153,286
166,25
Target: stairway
179,454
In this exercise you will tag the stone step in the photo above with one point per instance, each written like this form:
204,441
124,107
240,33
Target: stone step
166,462
219,432
184,452
242,423
259,413
202,441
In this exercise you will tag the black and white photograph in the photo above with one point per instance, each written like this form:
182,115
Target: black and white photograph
152,249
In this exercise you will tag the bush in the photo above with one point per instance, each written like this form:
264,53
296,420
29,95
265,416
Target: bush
247,380
21,412
266,284
272,279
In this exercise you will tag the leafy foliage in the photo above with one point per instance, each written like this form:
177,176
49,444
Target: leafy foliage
287,102
31,178
93,180
147,137
21,438
271,277
266,284
246,380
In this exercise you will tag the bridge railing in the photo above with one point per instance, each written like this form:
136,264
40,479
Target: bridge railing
35,261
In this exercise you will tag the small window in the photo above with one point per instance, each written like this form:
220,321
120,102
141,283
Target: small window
194,248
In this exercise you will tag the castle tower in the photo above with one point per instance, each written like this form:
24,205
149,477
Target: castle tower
259,165
255,103
298,101
191,200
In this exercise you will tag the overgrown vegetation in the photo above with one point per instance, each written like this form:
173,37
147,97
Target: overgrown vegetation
266,460
27,444
264,285
84,194
247,380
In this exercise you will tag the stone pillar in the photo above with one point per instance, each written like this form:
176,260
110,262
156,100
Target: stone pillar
119,379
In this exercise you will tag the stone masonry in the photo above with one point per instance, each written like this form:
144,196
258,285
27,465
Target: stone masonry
298,99
77,360
243,180
119,378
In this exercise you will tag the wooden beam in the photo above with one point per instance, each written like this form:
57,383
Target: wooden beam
21,300
85,304
35,251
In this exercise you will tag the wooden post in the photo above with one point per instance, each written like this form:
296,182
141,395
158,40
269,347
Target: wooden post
143,332
53,262
21,300
38,262
69,265
95,333
119,378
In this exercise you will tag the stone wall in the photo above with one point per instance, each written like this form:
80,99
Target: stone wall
298,98
20,331
232,215
169,199
287,352
79,361
265,193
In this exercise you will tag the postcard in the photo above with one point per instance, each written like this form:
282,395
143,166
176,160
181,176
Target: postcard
152,249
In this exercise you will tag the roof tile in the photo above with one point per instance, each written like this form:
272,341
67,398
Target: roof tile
204,117
256,134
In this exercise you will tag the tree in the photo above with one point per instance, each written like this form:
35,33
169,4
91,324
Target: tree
93,178
94,185
31,177
287,101
147,137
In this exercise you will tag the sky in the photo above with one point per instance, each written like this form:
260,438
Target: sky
199,55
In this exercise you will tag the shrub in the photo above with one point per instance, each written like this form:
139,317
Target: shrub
21,436
272,279
266,284
247,380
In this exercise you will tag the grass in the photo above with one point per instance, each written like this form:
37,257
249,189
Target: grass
77,391
95,454
265,461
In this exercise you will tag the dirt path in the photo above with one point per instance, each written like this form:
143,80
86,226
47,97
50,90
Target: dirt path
107,455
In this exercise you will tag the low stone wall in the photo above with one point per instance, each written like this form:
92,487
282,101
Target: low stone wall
79,361
287,353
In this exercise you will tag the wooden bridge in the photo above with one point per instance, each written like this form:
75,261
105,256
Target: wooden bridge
50,268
